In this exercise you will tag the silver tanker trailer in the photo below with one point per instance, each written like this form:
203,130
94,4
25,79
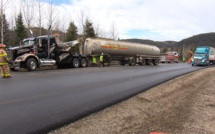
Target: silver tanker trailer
125,52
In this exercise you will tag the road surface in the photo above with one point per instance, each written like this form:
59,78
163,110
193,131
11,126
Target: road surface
36,102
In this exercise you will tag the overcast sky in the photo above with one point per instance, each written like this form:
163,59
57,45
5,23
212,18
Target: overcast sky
158,20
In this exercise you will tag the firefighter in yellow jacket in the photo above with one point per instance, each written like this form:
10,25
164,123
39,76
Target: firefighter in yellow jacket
101,58
5,70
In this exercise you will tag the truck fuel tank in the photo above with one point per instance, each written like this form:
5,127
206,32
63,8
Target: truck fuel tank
47,62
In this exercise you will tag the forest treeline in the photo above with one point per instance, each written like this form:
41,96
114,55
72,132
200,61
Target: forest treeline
13,37
35,16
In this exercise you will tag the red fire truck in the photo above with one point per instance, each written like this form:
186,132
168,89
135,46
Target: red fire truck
170,57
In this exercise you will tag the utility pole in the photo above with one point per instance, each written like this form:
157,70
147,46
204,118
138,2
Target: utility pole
2,21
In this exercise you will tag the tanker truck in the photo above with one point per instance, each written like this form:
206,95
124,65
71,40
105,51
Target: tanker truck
48,51
124,52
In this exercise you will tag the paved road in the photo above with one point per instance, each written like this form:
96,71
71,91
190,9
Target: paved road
36,102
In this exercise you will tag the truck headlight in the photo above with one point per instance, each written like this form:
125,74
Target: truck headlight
203,60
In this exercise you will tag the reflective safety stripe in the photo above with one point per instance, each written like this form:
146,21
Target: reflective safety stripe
3,63
6,75
3,54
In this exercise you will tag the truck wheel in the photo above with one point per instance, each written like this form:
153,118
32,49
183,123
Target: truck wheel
149,62
31,64
143,62
131,62
155,62
75,63
83,62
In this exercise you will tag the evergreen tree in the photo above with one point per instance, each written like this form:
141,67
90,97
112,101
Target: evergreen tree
72,32
20,30
165,50
89,29
6,36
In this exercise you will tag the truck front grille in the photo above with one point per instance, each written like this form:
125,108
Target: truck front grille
197,60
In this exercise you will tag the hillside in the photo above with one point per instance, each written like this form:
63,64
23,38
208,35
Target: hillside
206,39
160,44
201,39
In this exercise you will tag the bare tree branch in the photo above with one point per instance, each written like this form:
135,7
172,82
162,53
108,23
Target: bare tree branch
52,12
99,31
4,5
40,15
113,31
28,12
81,19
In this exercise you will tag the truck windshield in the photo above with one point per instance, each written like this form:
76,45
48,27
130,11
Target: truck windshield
28,43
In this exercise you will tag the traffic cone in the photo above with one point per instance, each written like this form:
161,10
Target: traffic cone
189,61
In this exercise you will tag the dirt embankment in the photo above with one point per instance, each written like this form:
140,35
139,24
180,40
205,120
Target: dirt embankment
184,105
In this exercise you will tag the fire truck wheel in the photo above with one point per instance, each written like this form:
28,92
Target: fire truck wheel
75,63
31,64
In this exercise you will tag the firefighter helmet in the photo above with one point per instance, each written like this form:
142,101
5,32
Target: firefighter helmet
2,46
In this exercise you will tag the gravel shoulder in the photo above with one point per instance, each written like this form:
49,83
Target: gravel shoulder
185,104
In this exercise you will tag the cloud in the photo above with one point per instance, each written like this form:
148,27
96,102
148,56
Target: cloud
152,19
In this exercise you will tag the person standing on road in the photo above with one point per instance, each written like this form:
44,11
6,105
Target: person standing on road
183,59
94,60
5,70
101,58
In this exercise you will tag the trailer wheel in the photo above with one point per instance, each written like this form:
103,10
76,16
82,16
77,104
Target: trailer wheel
143,62
131,62
83,62
149,62
155,62
31,64
75,63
